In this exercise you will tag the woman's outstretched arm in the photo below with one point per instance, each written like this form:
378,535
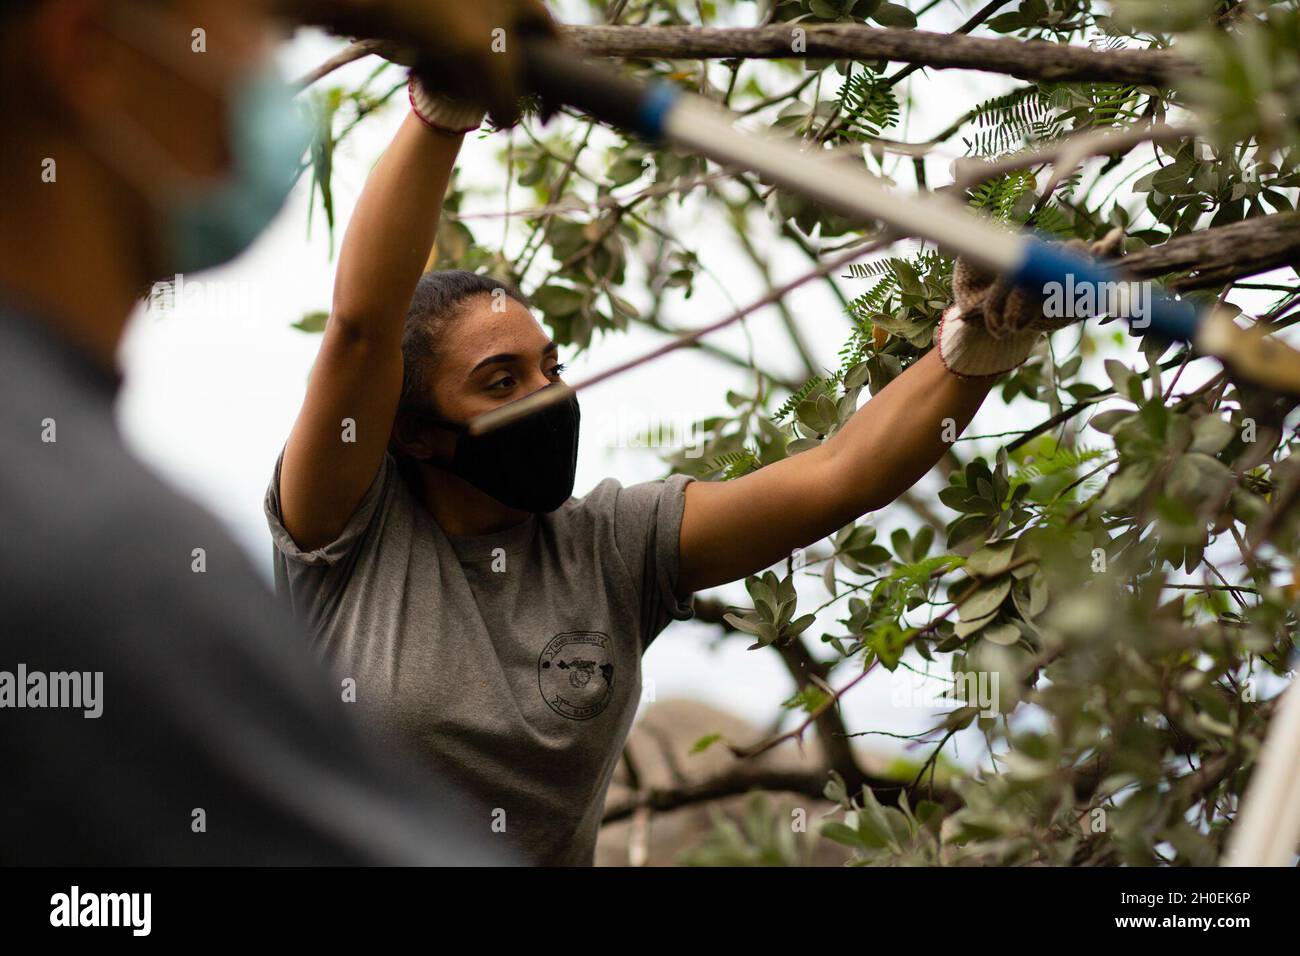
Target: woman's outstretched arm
731,529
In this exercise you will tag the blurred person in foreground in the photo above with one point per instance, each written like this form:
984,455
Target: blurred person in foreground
156,704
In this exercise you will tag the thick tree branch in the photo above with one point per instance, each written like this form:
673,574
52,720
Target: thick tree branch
831,732
744,778
1223,253
969,26
1027,59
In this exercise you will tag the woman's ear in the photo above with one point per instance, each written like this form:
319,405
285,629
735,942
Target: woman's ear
413,437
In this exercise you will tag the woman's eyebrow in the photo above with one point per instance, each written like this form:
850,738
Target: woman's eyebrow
503,358
499,359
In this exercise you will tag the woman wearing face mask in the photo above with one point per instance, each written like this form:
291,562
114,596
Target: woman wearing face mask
490,622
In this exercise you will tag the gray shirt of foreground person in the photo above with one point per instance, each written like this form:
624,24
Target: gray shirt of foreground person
509,663
166,715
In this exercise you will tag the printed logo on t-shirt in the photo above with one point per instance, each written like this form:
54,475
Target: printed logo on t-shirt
576,674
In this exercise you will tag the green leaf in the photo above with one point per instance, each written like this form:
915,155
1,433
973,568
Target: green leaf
743,624
1196,477
839,833
1120,375
873,825
1007,22
1211,434
1108,421
856,377
1124,488
895,15
985,600
967,628
836,791
957,498
558,301
992,559
1174,178
764,597
798,626
312,322
1033,10
1003,633
705,742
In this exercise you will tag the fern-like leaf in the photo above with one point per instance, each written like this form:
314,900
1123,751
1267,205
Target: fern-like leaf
868,105
814,384
1063,460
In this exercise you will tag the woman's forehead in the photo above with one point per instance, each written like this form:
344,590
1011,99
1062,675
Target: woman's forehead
483,330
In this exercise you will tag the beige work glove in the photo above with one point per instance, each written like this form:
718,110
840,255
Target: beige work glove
455,46
442,113
992,325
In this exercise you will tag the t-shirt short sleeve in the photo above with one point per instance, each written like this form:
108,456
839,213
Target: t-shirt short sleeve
647,527
352,532
313,580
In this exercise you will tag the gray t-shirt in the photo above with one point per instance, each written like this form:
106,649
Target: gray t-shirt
509,662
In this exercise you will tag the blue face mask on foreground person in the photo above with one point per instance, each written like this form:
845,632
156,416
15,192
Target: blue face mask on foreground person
208,223
268,135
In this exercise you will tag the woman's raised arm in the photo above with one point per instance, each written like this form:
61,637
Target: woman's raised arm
339,439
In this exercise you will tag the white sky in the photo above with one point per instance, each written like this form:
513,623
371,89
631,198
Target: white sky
213,387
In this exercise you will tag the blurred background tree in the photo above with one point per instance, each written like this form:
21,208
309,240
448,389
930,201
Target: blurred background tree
1118,579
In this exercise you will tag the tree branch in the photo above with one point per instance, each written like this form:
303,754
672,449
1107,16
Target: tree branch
348,54
831,732
1027,59
1223,253
741,779
1068,153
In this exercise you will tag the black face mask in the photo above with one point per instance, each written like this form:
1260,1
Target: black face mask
528,464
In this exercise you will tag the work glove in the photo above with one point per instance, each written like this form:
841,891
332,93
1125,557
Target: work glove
992,325
451,45
442,113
